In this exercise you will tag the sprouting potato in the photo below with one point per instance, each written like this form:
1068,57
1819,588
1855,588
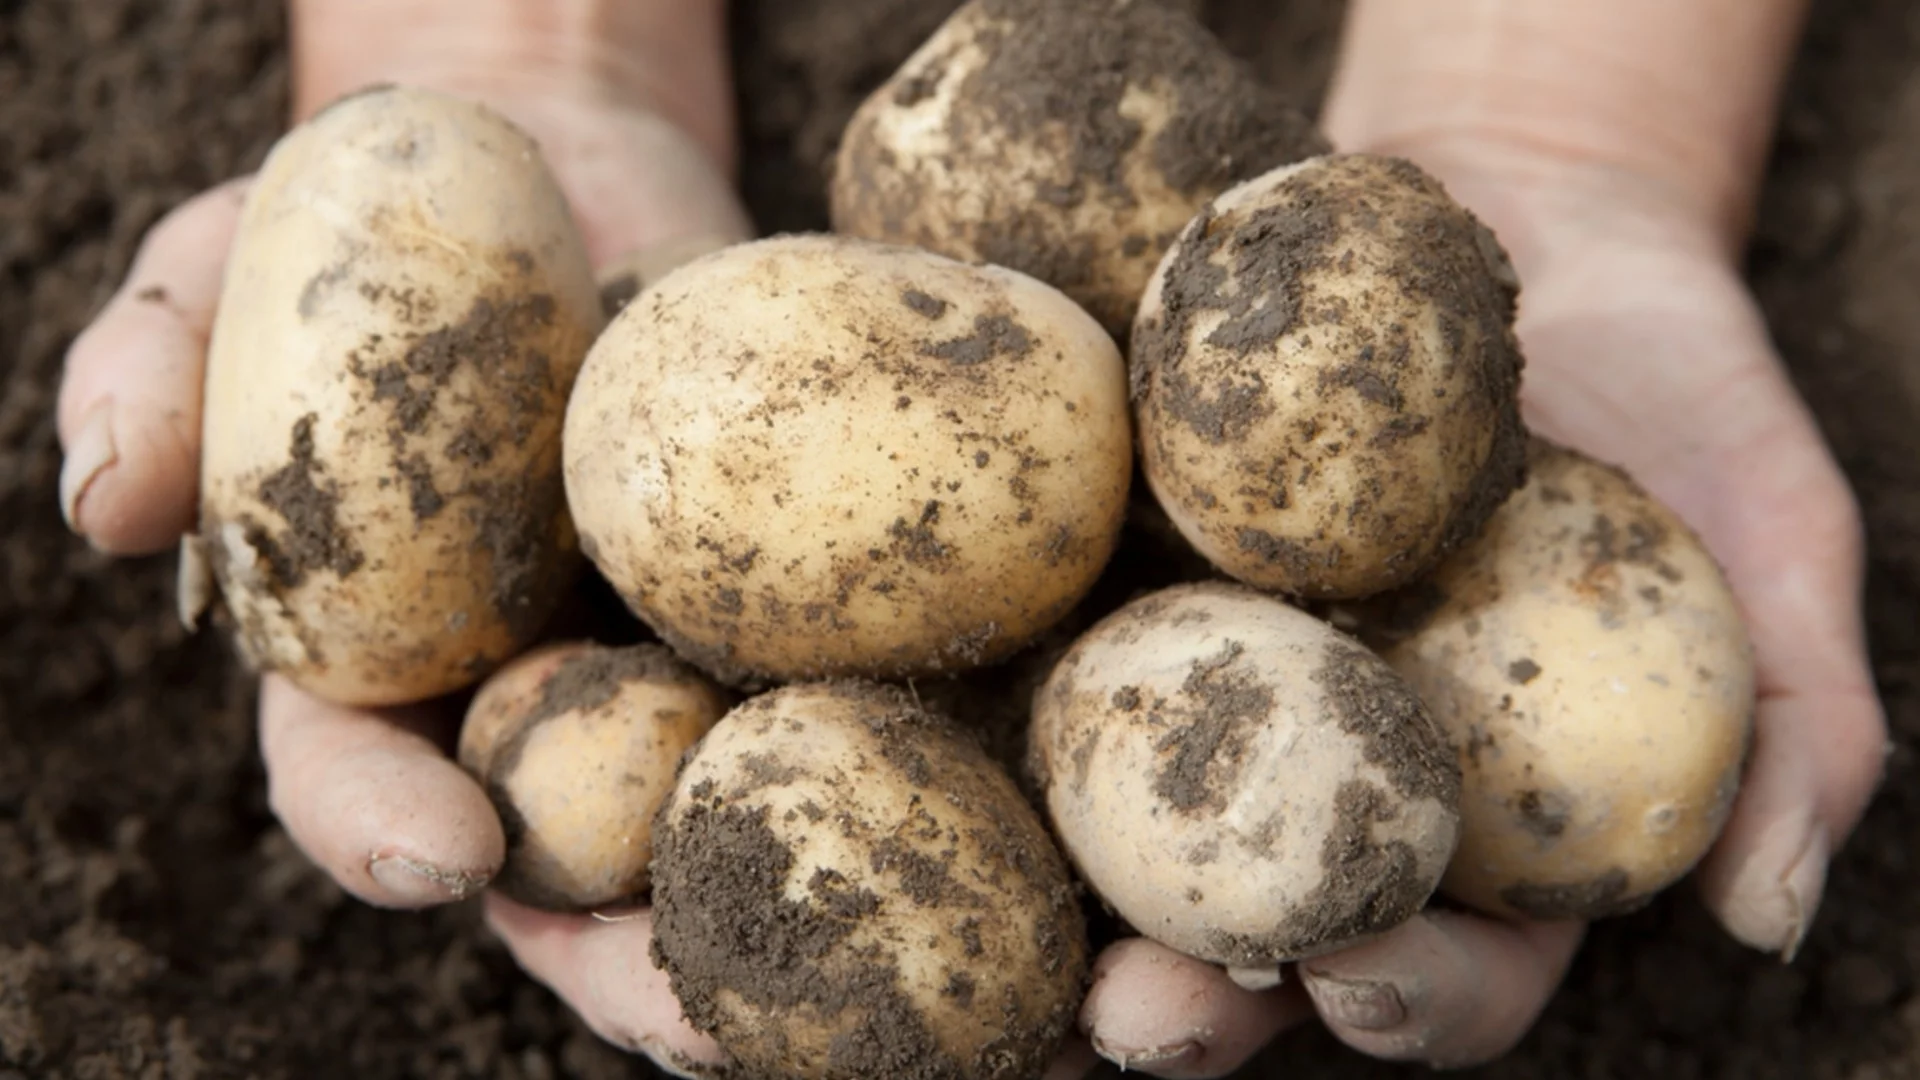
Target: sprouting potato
1326,378
577,745
847,885
818,456
405,307
1240,781
1595,676
1068,139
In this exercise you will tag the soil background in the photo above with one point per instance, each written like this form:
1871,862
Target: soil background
156,923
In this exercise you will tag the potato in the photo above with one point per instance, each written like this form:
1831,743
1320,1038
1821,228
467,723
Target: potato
1067,139
1595,676
577,744
405,307
1240,781
846,885
1326,378
815,456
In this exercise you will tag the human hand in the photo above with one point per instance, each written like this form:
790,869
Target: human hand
1644,349
629,103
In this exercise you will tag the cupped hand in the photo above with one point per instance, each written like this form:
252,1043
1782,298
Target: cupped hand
373,796
1644,349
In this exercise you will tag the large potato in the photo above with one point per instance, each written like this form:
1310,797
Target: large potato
847,886
816,456
405,307
1592,668
1326,378
1240,781
577,745
1068,139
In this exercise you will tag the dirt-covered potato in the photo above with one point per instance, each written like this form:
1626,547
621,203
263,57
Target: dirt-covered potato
846,885
1594,673
1240,781
818,456
1326,378
405,307
577,745
1068,139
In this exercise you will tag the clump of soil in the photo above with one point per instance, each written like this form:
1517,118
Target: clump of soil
155,920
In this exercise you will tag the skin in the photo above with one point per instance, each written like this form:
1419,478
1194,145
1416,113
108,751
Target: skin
1614,145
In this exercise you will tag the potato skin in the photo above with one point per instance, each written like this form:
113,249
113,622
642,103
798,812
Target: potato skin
1067,139
1592,669
1326,381
815,456
847,886
381,503
1240,781
577,745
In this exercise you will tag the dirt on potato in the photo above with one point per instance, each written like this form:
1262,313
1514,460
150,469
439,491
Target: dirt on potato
156,922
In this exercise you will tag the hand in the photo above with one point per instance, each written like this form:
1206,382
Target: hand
1643,349
641,143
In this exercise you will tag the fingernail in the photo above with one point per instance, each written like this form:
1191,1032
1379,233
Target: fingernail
1359,1003
1158,1057
415,882
90,454
1774,903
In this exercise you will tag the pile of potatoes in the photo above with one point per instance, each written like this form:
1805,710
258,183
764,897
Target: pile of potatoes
1083,271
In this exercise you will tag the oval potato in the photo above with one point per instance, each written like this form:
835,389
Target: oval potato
818,456
1592,669
1327,382
1241,782
405,306
1067,139
848,886
577,744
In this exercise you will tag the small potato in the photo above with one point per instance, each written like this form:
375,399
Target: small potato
1241,782
1594,674
577,745
1326,378
1067,139
816,456
405,307
847,886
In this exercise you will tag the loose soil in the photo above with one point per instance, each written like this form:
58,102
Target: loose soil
155,921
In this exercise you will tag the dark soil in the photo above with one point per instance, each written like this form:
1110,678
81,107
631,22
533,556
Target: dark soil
155,922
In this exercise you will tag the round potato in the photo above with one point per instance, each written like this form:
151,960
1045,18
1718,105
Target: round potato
848,886
1240,781
577,745
405,307
816,456
1067,139
1593,671
1326,378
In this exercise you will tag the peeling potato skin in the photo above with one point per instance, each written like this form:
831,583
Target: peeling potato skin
1592,669
381,500
818,457
1326,381
848,886
1241,782
577,745
1067,139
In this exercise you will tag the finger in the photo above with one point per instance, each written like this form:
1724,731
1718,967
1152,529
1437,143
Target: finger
129,410
603,971
1156,1011
374,799
1444,989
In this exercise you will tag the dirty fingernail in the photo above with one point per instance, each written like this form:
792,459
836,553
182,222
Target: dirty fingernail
1360,1003
417,882
91,453
1181,1053
1801,888
1771,905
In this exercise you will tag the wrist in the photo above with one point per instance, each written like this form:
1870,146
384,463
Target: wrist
663,57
